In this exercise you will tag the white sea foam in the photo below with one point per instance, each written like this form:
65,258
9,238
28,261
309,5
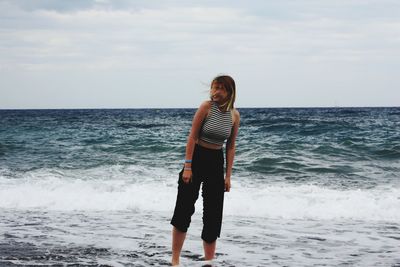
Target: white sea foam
314,202
52,190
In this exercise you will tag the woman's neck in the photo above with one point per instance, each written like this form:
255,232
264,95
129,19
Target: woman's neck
222,106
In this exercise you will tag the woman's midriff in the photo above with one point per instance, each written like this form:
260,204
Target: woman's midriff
208,145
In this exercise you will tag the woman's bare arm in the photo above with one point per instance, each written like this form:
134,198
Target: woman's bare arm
198,118
230,150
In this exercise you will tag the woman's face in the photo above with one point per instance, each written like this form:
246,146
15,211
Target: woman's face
218,93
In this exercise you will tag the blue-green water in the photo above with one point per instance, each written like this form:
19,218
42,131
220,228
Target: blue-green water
358,147
322,169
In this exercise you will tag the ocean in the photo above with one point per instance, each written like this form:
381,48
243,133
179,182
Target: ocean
97,187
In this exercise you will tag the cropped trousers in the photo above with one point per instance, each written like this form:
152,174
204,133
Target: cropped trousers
207,172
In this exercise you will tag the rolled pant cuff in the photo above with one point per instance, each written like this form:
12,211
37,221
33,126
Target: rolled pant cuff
179,227
208,239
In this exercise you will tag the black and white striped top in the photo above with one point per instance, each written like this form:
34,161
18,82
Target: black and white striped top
217,126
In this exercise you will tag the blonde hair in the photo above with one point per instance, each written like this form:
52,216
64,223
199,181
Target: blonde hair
230,87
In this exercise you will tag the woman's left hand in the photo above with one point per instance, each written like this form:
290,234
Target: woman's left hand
227,184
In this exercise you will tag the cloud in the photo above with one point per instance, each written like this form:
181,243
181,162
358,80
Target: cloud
267,39
112,38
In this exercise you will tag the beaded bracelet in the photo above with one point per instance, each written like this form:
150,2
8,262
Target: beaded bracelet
187,168
188,161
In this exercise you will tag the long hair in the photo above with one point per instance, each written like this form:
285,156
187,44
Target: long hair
230,87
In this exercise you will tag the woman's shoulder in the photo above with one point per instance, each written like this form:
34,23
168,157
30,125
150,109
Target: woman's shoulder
206,104
236,115
205,107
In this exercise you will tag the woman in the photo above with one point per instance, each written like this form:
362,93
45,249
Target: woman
215,121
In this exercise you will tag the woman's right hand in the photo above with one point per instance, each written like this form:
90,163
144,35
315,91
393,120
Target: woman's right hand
187,176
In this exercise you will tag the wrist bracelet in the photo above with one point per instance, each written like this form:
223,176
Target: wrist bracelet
188,161
187,168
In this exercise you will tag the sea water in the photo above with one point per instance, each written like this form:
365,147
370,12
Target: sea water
310,187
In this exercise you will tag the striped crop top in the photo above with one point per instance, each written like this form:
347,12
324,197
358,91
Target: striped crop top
217,126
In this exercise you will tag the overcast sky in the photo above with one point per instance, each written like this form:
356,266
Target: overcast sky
145,54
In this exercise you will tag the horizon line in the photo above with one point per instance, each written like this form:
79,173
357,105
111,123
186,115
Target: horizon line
277,107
